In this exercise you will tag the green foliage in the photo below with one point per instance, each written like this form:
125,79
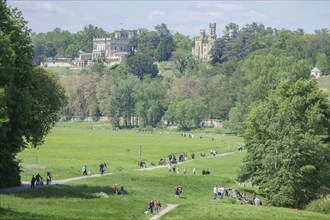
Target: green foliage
142,65
149,97
122,103
29,98
186,113
321,205
147,42
62,43
166,44
288,144
257,75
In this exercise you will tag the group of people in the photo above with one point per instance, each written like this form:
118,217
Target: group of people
206,172
39,181
116,189
218,192
236,194
240,147
103,168
152,207
177,169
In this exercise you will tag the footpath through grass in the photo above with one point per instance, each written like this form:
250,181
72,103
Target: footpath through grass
73,145
86,199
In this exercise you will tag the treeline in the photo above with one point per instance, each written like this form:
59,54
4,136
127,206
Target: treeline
159,44
247,63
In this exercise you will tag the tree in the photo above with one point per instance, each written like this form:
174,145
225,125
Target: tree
142,65
27,111
186,113
122,102
147,42
166,44
149,97
288,140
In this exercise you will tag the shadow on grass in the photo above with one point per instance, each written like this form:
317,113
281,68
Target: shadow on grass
10,214
77,191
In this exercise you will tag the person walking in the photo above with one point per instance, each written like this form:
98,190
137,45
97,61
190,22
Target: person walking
151,207
33,180
215,192
158,206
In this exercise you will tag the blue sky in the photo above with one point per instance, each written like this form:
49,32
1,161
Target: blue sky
185,17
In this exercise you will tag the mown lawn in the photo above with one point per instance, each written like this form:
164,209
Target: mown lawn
63,154
72,145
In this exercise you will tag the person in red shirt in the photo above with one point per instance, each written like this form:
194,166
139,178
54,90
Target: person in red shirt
115,188
158,205
151,207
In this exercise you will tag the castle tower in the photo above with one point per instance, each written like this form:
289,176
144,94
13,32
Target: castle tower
213,31
203,44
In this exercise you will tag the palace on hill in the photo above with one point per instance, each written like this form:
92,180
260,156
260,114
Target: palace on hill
114,49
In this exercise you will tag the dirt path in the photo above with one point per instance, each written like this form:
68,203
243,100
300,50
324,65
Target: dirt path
26,185
163,212
187,161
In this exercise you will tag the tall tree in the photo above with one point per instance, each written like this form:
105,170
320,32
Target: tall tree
147,42
166,44
149,98
122,102
288,139
27,112
142,65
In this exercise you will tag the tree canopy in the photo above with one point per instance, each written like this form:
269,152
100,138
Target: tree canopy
288,142
29,97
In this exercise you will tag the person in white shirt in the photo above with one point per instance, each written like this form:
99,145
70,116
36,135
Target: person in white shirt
215,192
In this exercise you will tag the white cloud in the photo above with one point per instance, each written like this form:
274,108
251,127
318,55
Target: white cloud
203,5
156,13
50,7
229,7
255,14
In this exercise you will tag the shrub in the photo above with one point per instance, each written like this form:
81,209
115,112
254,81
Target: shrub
321,205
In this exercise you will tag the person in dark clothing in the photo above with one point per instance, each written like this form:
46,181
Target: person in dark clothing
33,180
38,178
151,207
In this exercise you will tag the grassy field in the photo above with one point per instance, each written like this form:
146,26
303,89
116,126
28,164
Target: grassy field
72,145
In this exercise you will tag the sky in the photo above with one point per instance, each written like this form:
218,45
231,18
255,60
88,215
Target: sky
185,17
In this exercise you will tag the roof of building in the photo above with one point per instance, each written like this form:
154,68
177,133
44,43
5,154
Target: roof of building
315,70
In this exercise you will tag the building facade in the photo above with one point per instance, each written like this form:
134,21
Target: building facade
204,43
113,49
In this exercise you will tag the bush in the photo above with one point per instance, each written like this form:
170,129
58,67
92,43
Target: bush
321,205
218,131
162,127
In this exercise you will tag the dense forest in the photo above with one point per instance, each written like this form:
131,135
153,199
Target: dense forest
161,80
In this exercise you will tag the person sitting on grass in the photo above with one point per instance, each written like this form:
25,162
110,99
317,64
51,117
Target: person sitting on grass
122,189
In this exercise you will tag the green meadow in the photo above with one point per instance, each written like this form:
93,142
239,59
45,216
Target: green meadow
72,145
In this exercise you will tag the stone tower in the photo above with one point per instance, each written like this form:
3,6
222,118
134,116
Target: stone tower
203,44
213,31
